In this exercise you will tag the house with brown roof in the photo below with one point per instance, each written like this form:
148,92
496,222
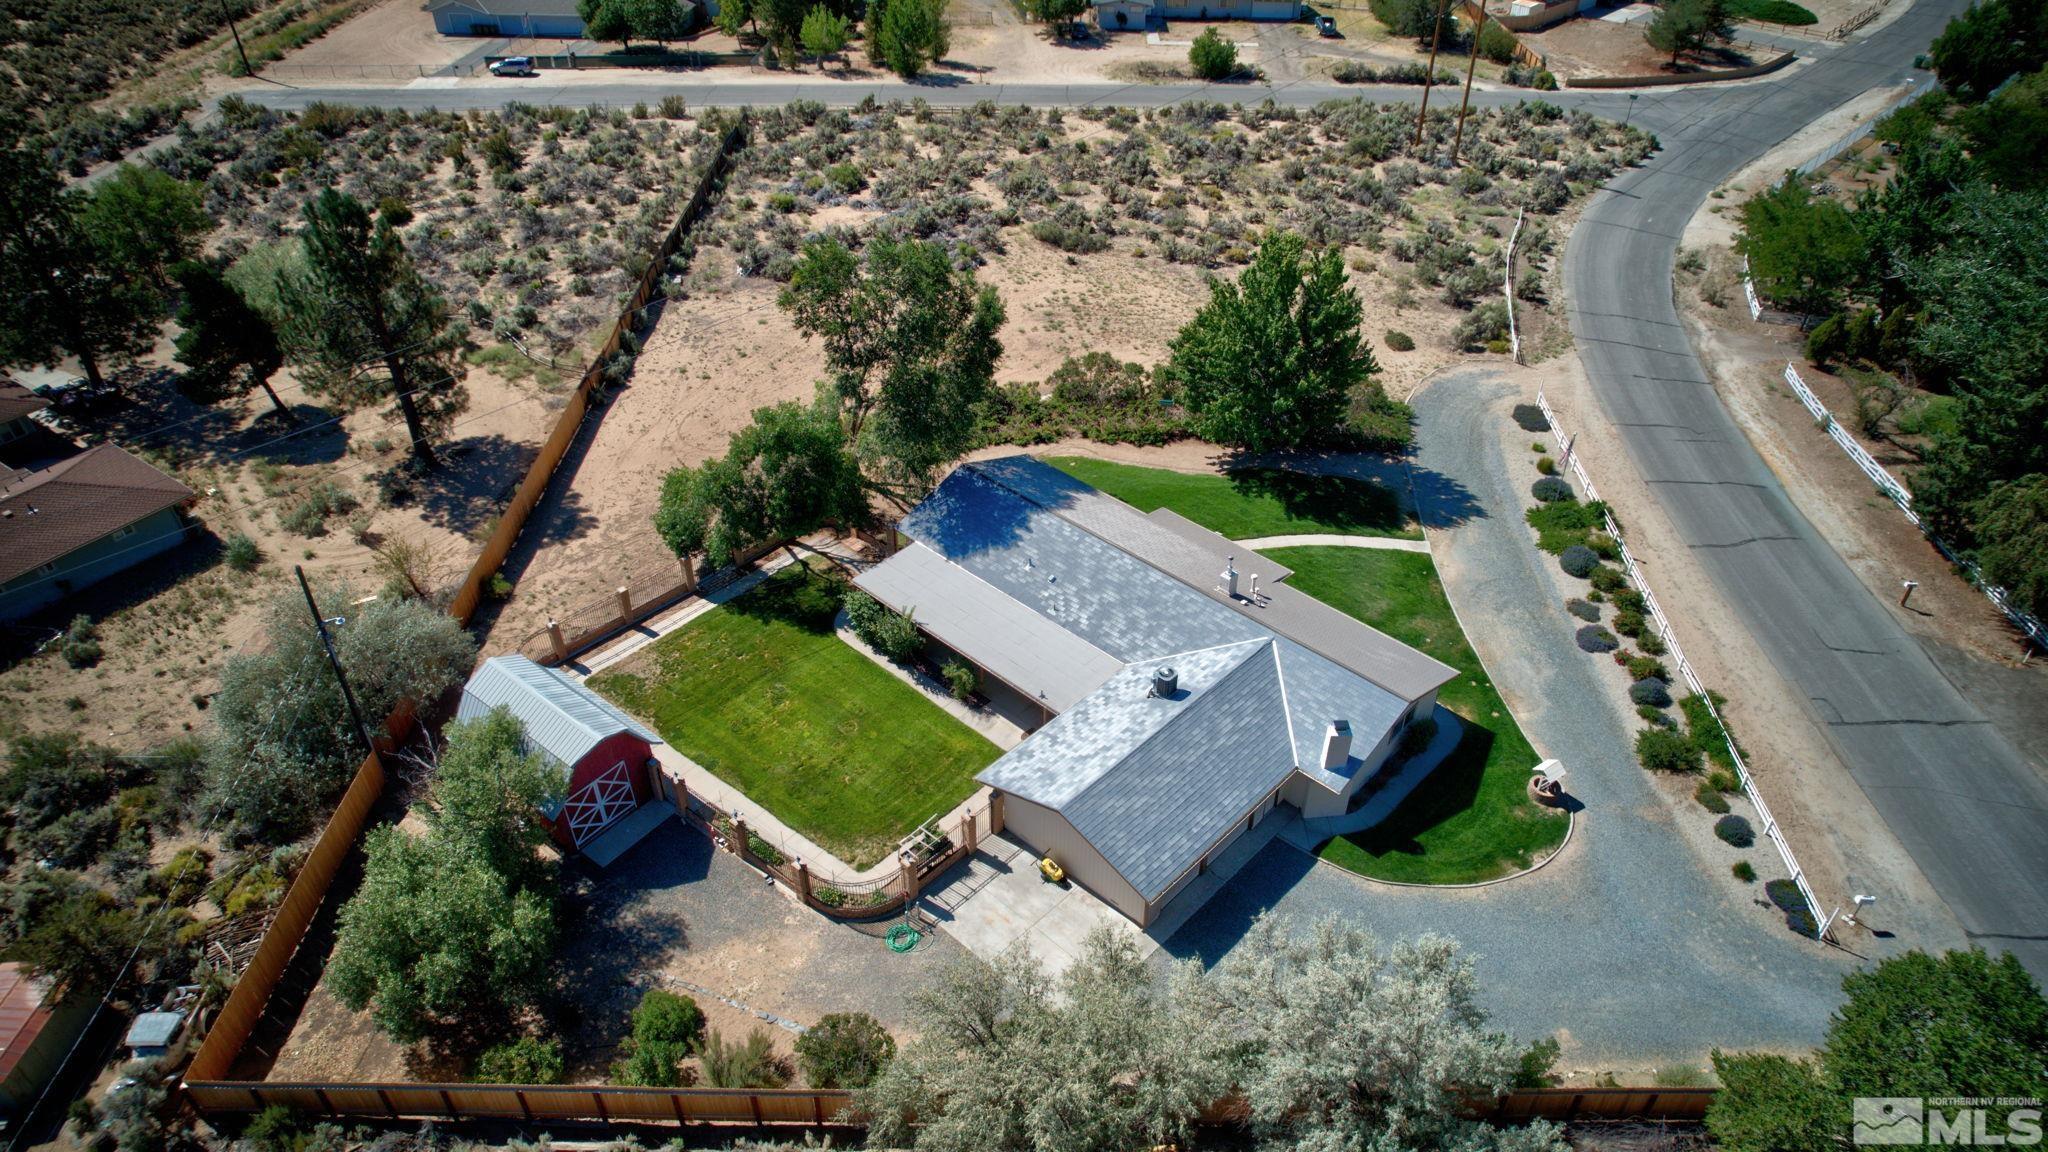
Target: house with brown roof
18,406
37,1029
80,521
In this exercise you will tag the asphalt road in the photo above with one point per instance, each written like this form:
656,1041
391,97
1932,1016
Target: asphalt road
1958,794
1960,797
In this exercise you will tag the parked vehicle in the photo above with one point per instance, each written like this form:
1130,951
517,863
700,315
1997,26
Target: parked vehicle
1326,27
78,396
513,66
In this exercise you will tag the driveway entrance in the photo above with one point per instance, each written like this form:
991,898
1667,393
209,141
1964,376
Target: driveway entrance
996,898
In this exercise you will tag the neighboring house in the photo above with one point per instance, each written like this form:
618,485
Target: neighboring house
1136,15
80,521
36,1033
605,758
18,407
544,18
1190,691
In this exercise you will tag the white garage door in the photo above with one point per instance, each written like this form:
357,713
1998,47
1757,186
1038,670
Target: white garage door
592,808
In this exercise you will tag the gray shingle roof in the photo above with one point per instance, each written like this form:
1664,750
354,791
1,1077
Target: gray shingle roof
1017,552
1022,648
563,719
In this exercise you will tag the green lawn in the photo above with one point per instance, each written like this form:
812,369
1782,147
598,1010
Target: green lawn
765,695
1252,502
1471,820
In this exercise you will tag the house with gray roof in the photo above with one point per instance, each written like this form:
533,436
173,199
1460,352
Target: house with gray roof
1187,689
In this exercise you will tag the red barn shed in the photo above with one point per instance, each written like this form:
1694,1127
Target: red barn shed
605,757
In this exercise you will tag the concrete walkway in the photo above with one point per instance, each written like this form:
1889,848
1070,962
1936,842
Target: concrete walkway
1315,540
998,730
1307,834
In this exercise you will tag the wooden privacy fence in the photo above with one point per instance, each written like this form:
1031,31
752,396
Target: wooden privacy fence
250,999
531,489
805,1107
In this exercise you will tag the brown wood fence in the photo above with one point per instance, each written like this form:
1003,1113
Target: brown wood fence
250,999
806,1107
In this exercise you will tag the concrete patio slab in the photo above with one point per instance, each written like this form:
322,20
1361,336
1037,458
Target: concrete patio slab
997,900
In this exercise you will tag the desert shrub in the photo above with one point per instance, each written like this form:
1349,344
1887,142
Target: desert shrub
893,634
1068,237
82,643
848,178
674,108
1595,639
242,554
1662,750
183,877
1724,780
1744,871
309,516
1578,560
844,1050
749,1063
1609,580
1652,691
1709,734
1546,465
1583,610
75,839
1735,831
664,1017
527,1060
1482,326
1530,418
1710,797
1565,523
1629,600
1400,341
1353,72
1211,56
961,681
1551,489
1627,622
1645,667
1785,895
1649,715
1497,43
1651,644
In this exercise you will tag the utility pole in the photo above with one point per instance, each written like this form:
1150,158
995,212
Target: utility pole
1436,36
1471,66
237,34
327,642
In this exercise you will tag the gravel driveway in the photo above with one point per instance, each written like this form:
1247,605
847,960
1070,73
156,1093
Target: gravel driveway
1626,946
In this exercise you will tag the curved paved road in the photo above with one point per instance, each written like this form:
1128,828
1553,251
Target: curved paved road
1962,800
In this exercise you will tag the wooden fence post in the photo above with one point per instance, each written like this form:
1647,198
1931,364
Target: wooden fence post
803,879
625,603
682,791
689,573
739,836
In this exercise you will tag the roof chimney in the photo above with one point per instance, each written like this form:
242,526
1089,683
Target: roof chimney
1165,682
1229,577
1337,744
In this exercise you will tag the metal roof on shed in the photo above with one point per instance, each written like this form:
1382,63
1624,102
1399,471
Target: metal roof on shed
1018,646
563,719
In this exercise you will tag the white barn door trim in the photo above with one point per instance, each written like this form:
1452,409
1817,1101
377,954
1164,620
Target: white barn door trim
592,808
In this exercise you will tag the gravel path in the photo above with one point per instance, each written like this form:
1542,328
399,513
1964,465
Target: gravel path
1627,946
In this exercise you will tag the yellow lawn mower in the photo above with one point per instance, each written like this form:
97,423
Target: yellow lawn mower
1049,869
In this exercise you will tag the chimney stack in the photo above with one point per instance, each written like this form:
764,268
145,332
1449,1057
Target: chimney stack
1229,577
1337,744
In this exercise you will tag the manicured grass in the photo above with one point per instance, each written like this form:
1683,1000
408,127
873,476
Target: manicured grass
766,696
1772,12
1252,502
1472,819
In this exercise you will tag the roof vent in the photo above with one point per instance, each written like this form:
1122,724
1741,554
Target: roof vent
1165,682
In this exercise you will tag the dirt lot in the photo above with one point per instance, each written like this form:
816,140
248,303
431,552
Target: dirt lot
391,33
724,348
1593,47
672,913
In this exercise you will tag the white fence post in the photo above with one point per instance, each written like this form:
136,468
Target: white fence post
1823,922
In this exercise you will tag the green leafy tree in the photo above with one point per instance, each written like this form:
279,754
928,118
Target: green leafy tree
364,326
824,33
77,935
607,20
61,291
1963,1024
734,16
2010,524
909,35
283,743
146,219
1211,56
783,24
226,346
2008,133
1058,15
782,476
659,20
1682,26
487,789
844,1050
1804,250
910,346
1991,41
436,941
1273,360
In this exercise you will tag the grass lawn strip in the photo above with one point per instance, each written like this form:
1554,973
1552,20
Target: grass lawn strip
1252,502
1471,820
765,695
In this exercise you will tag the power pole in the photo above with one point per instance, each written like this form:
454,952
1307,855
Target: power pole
237,34
1471,66
1436,36
327,642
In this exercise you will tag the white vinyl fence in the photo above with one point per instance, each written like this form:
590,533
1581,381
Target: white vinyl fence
1822,923
1900,496
1507,288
